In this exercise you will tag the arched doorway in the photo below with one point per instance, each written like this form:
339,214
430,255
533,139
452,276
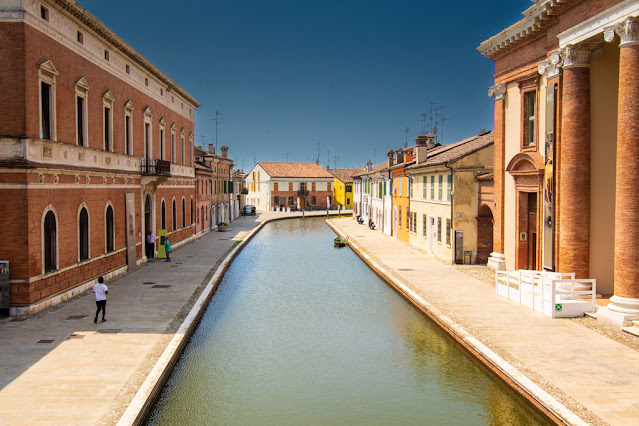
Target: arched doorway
484,234
83,234
50,242
148,209
527,170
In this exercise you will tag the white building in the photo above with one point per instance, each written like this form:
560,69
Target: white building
283,185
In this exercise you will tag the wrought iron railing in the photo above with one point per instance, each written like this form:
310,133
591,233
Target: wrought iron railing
154,167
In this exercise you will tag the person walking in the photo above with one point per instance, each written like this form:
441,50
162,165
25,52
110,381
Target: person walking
167,250
100,290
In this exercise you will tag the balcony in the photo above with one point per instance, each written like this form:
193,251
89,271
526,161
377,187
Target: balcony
302,192
154,167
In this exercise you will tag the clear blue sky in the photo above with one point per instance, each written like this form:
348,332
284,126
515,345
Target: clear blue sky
349,75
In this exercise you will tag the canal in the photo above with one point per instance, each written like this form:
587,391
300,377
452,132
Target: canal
300,332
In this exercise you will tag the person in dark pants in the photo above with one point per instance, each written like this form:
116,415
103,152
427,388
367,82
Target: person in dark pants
100,290
150,245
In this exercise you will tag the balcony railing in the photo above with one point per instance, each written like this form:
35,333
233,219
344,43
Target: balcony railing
302,192
153,167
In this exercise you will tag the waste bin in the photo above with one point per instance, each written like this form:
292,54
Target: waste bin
4,288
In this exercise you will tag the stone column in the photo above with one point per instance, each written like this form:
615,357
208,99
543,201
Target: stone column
574,170
497,260
626,298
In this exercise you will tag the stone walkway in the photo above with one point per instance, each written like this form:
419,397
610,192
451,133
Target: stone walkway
58,367
559,361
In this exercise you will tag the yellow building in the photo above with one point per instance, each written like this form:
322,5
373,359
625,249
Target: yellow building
343,187
444,201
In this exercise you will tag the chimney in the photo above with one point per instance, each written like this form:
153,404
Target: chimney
391,158
211,148
225,151
400,155
421,148
431,140
369,166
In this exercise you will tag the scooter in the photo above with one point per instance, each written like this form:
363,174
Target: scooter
360,220
371,225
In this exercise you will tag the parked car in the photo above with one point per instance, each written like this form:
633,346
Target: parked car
248,210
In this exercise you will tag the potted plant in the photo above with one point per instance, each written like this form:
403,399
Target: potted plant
222,226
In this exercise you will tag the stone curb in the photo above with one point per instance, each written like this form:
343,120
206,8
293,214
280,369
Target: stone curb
142,401
526,387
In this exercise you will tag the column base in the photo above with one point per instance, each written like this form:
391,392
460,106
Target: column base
497,262
616,319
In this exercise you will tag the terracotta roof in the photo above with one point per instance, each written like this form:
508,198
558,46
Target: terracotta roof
294,170
375,169
455,151
344,175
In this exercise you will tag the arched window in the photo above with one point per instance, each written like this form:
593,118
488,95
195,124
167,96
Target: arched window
109,229
191,211
183,213
163,215
50,242
83,234
174,216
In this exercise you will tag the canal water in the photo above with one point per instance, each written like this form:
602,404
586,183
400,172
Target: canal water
300,332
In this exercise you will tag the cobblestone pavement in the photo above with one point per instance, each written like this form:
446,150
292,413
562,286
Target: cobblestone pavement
592,375
58,367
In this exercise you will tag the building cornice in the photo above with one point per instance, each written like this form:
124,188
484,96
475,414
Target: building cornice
533,21
86,18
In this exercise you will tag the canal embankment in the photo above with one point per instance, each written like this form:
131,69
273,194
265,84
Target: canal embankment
574,373
58,367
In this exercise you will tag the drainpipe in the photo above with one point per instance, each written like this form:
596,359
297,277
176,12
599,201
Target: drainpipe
452,219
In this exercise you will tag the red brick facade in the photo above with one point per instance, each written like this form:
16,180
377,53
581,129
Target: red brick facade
57,175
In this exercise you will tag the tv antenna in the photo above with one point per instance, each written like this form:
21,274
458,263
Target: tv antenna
218,120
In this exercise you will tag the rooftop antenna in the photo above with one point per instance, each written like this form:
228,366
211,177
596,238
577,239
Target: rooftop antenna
287,157
318,153
218,120
443,118
423,120
406,140
254,159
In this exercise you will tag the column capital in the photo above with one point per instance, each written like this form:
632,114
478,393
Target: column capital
551,65
627,30
579,56
498,91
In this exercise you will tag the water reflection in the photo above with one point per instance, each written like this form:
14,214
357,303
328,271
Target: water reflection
301,332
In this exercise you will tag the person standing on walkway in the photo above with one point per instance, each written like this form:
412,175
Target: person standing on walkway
100,290
167,250
150,245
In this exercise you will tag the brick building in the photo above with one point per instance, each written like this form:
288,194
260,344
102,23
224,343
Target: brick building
567,146
279,185
95,150
215,187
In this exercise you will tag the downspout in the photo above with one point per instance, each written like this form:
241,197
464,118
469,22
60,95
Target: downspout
452,219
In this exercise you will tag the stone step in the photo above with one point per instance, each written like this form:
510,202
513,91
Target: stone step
632,330
591,314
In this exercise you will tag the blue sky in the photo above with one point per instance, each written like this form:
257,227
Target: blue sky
349,75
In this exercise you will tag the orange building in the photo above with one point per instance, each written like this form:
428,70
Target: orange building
402,222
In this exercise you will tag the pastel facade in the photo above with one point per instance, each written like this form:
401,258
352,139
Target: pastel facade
96,149
401,221
566,146
343,187
280,185
444,202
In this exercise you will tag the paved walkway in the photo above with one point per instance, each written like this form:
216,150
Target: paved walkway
593,376
58,367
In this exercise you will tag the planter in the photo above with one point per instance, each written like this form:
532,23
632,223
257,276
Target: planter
221,228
